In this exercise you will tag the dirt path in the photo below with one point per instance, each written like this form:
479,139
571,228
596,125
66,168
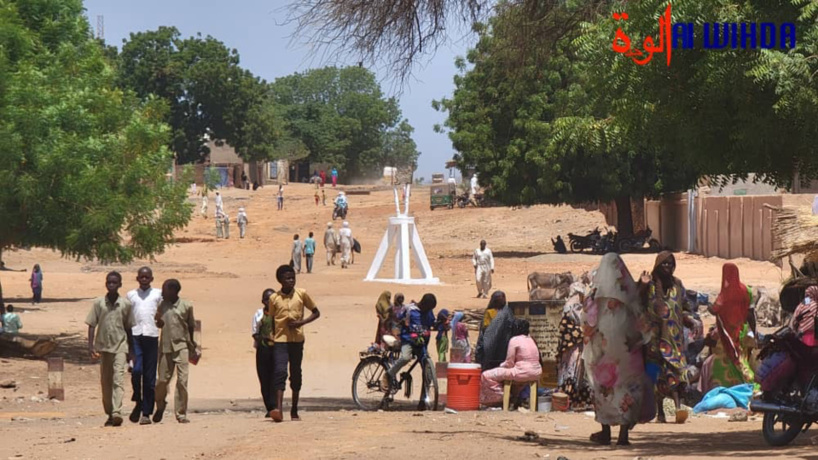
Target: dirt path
225,279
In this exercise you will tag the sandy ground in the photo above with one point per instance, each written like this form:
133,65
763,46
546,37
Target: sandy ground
225,278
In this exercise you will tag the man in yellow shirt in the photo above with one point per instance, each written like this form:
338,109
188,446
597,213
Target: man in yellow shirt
287,309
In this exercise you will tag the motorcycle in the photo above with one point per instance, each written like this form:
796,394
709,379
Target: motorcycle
637,241
340,212
606,243
579,243
464,200
788,376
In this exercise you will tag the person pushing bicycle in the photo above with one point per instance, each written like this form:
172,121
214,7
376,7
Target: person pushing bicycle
416,322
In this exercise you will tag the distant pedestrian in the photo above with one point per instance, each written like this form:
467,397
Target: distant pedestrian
11,321
316,198
36,281
297,250
346,244
109,331
323,177
219,224
145,345
219,202
204,202
309,251
241,220
331,243
244,184
334,177
483,261
287,309
280,197
176,347
226,222
324,197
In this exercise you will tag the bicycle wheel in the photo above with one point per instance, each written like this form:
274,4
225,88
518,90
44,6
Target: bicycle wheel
370,384
429,383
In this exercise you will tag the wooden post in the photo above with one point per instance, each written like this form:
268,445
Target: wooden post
55,386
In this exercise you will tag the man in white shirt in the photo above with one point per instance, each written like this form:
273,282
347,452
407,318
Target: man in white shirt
345,235
145,301
483,261
219,202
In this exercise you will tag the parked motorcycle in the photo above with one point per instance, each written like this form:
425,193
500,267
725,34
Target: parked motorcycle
606,243
579,243
787,375
637,241
340,212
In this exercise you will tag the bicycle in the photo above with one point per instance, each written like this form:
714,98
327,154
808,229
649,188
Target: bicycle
373,389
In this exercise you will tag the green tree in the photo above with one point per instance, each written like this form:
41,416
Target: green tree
209,94
342,118
84,163
530,123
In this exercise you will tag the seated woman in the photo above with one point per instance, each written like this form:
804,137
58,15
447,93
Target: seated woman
522,364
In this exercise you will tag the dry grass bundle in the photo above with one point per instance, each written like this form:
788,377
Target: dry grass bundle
795,230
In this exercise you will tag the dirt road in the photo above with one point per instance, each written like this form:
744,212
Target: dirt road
225,278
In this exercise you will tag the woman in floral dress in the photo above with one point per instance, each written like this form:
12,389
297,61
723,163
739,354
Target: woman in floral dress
614,333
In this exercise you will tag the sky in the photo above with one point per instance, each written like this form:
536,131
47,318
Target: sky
258,30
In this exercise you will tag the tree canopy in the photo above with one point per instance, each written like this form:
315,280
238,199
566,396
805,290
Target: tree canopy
341,117
84,163
209,94
566,119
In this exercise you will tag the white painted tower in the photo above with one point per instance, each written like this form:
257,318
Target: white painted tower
402,236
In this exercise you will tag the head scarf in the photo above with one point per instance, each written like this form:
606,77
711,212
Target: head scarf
346,224
382,307
493,341
731,309
458,315
329,224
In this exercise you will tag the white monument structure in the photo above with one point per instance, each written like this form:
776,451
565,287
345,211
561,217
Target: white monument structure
402,236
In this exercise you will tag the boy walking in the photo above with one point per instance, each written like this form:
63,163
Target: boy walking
145,334
309,251
175,317
287,310
110,318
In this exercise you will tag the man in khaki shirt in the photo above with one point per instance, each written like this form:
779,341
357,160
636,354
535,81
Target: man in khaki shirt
110,319
175,317
287,309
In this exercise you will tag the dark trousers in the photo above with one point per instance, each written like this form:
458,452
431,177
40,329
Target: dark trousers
37,294
265,368
143,377
309,262
292,353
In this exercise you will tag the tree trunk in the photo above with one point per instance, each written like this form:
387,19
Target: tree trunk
624,216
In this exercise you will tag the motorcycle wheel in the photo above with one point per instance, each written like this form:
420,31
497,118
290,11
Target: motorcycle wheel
790,427
576,246
654,245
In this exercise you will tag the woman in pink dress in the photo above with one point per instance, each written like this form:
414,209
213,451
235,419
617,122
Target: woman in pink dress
522,364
